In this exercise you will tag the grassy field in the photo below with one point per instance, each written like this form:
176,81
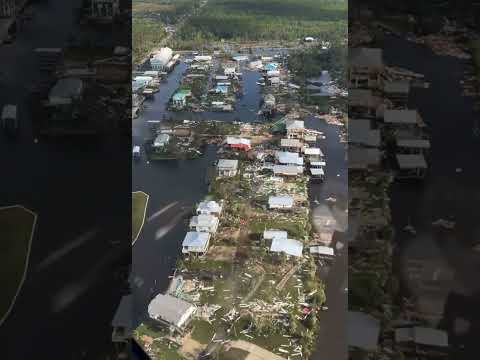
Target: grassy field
266,19
17,225
139,205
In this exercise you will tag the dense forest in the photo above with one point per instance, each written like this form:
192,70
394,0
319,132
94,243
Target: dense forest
146,34
266,20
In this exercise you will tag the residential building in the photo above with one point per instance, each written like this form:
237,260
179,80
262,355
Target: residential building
171,311
179,99
196,242
160,60
411,166
363,158
7,8
204,223
286,246
66,91
397,91
287,170
365,68
280,202
105,9
209,208
238,143
322,251
227,167
412,146
291,145
295,128
289,158
362,102
203,58
271,234
360,133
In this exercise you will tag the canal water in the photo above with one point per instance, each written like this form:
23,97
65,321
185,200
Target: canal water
175,186
450,191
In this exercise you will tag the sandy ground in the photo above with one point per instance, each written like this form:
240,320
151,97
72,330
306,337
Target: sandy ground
256,352
191,349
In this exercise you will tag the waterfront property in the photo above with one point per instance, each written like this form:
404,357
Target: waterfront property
397,91
363,158
295,128
365,68
418,340
363,331
179,99
363,102
411,166
289,158
280,202
271,234
227,167
161,141
361,133
209,208
238,143
287,170
171,311
204,223
291,145
196,243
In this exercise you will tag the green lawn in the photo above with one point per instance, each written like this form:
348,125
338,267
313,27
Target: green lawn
202,331
139,205
16,227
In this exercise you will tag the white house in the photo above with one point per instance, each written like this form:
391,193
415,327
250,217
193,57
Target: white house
280,202
196,242
160,60
171,311
230,72
291,144
271,234
227,167
289,158
287,170
295,128
204,223
288,246
209,208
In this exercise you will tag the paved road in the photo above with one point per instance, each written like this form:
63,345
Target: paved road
76,189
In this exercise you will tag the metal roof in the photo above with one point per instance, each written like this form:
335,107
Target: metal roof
360,132
280,201
422,336
169,308
290,143
65,89
234,140
287,246
413,143
317,171
398,86
411,161
400,116
318,163
161,140
196,239
294,124
204,220
209,207
227,164
287,169
322,250
290,158
313,151
360,158
271,234
363,331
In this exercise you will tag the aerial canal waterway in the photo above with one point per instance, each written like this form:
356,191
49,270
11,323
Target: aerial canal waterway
451,190
175,186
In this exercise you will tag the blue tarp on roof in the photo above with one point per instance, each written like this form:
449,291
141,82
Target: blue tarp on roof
271,66
223,89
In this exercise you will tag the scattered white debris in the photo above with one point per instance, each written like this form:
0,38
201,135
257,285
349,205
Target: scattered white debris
331,199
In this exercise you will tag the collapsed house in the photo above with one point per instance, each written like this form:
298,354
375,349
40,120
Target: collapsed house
171,311
227,167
